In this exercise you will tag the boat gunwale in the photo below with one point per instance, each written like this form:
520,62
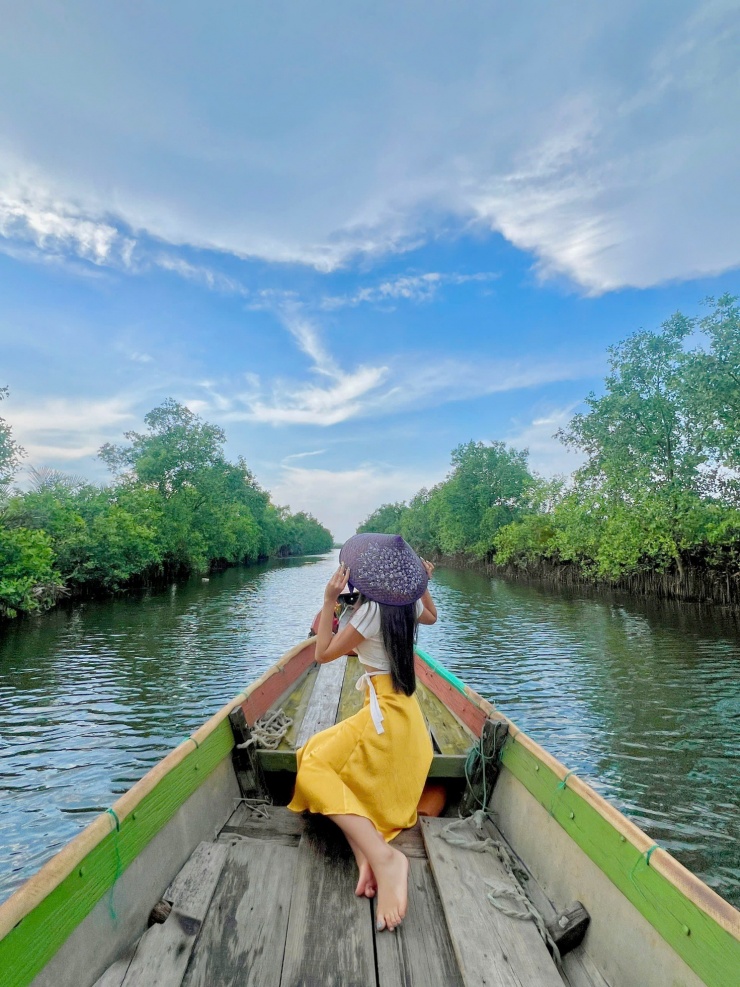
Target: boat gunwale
40,885
662,861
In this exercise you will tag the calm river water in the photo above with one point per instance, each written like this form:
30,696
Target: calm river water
640,699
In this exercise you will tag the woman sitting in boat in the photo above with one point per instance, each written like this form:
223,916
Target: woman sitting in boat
367,772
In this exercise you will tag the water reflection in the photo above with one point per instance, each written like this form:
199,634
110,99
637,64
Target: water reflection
640,699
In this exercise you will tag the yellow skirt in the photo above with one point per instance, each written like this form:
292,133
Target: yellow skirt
351,769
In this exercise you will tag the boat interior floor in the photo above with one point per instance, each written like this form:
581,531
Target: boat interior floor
271,903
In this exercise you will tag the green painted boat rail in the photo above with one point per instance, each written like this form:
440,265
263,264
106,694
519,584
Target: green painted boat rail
29,946
699,925
443,672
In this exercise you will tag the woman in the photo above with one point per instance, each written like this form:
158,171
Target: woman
367,772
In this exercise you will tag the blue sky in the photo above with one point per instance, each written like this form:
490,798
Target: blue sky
353,235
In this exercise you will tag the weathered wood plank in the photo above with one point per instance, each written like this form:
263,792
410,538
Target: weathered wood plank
281,825
163,951
295,706
419,953
492,949
243,936
322,710
451,736
577,967
411,842
116,972
330,938
442,766
351,700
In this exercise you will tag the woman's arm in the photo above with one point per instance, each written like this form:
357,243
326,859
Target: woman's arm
429,613
328,646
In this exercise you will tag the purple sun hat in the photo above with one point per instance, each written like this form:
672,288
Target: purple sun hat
384,568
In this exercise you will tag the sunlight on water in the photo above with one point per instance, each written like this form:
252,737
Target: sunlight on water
640,699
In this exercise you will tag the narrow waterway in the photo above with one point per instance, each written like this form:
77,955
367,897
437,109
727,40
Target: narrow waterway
641,699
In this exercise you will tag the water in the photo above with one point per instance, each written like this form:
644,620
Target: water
640,699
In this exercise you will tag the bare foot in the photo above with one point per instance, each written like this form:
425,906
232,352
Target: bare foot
393,876
366,885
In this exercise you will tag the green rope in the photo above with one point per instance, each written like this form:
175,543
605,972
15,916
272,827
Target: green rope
644,857
559,788
119,865
476,753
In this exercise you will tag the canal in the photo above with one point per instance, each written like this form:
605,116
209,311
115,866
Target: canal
641,699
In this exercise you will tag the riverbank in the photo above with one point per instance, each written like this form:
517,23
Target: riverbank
691,585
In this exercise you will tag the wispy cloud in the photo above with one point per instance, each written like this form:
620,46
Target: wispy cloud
309,404
397,385
409,287
547,454
68,429
208,277
621,171
303,455
30,213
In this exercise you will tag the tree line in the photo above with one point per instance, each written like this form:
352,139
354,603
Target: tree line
175,506
659,490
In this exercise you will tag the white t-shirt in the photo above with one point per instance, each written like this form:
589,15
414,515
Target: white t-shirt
366,620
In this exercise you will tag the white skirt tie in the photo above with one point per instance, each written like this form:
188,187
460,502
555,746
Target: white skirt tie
376,712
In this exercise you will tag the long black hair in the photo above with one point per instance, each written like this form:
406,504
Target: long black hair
398,626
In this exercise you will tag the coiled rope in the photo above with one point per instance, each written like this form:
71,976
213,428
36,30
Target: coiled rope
268,731
509,899
477,754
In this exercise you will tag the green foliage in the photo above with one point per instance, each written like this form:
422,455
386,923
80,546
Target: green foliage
386,520
660,487
28,580
524,542
711,390
177,506
10,452
486,489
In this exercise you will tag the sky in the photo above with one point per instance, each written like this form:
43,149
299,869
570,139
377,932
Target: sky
352,235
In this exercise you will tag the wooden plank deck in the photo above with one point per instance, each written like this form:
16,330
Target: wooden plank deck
492,949
326,694
163,952
322,709
271,904
224,954
330,934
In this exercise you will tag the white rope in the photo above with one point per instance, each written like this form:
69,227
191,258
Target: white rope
520,906
257,806
268,731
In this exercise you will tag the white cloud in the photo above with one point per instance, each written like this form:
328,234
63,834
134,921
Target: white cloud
547,454
400,386
62,430
304,455
341,499
602,139
308,404
410,287
200,274
29,212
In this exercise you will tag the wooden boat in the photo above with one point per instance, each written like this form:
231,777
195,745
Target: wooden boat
199,875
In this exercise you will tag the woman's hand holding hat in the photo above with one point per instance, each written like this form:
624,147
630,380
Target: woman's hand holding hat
336,585
429,566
